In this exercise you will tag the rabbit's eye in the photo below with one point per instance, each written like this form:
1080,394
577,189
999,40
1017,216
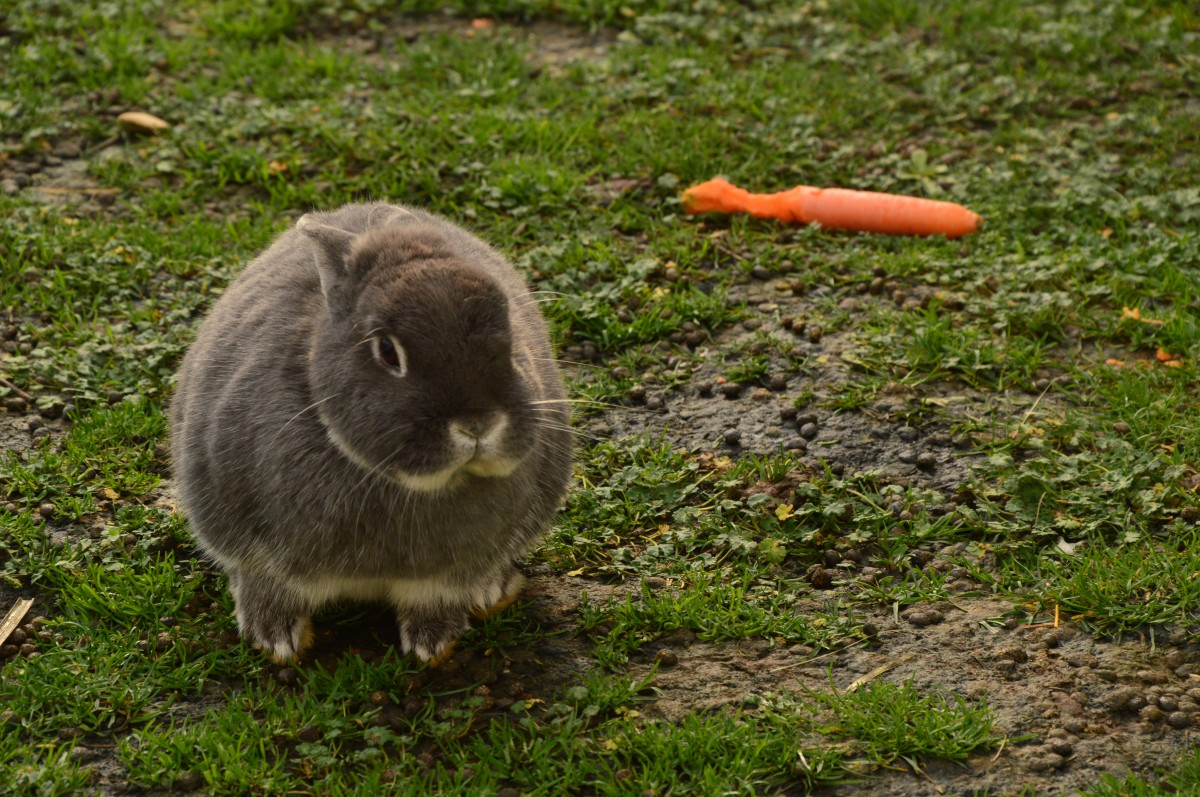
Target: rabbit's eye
389,353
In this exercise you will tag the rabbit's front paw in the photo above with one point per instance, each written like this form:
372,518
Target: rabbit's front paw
282,641
499,595
277,627
430,635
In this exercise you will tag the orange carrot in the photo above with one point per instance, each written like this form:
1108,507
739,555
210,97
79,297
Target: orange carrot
837,208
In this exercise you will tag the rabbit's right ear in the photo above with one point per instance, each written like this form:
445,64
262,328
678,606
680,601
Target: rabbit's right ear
333,245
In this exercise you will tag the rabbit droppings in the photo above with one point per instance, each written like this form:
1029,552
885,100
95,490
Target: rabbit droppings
372,411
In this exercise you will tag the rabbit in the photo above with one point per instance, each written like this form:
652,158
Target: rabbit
371,411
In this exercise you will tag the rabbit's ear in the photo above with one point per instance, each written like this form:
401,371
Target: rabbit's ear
333,245
383,215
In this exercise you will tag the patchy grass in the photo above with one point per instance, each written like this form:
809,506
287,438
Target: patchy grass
1057,350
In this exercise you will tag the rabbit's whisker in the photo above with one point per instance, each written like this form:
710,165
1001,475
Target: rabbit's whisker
314,405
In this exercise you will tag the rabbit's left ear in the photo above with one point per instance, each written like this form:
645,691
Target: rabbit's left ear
333,245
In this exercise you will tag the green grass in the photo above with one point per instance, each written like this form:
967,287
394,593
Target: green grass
1186,780
1069,127
715,612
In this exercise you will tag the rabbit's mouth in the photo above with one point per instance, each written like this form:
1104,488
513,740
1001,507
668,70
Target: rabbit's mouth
453,477
483,461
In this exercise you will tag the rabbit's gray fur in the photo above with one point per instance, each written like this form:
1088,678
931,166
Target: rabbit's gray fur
314,465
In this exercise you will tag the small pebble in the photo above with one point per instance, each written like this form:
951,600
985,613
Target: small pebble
907,456
1083,659
1041,385
1179,719
907,434
808,431
1012,653
667,657
730,390
760,273
637,392
922,617
814,334
1055,636
796,444
777,382
1152,676
1044,761
655,403
820,578
1077,727
1151,714
1120,427
926,461
761,394
1062,747
15,404
788,414
732,437
832,558
704,388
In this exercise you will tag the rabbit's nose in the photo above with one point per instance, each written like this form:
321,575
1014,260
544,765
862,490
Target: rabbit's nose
478,429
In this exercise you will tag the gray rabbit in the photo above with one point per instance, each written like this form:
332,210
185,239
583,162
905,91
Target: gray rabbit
371,411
